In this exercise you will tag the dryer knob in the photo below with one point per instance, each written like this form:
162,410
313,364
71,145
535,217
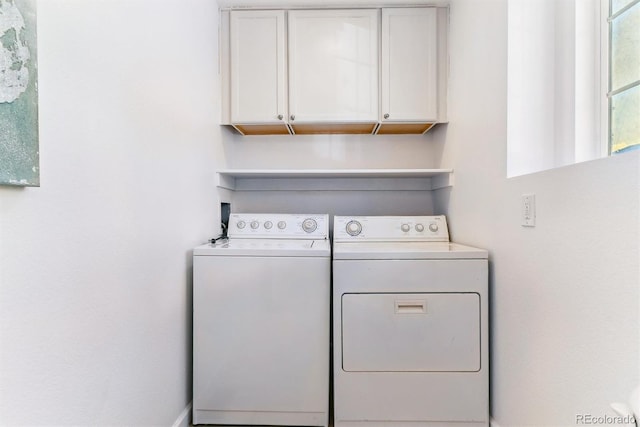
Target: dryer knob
241,224
255,224
419,228
405,228
268,225
282,225
309,225
353,228
433,227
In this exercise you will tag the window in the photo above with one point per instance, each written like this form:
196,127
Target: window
624,75
573,83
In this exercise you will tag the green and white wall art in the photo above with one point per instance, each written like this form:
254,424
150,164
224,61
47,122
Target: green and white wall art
19,157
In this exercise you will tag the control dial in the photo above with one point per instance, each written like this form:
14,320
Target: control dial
433,227
353,228
405,228
309,225
255,224
282,225
241,224
268,225
419,228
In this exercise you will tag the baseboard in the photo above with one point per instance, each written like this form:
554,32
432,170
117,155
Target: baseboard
184,419
493,423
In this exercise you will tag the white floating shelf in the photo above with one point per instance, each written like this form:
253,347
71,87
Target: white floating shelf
334,179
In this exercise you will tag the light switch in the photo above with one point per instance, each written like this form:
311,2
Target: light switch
528,210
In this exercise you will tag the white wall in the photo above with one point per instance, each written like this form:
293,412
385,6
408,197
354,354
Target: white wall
565,295
334,152
553,83
95,266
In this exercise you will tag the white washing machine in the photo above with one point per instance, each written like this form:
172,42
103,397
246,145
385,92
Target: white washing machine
261,305
410,321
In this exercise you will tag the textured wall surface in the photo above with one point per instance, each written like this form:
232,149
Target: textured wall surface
95,265
565,295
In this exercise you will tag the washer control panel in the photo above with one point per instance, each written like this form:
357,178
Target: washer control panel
279,226
391,228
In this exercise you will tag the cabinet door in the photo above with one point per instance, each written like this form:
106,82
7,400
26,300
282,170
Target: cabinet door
409,63
258,84
333,66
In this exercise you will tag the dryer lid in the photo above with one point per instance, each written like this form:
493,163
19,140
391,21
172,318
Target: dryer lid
405,250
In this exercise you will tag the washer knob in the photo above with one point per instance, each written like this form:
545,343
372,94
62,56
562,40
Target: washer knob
241,224
282,225
353,228
405,228
433,227
255,224
268,225
419,228
309,225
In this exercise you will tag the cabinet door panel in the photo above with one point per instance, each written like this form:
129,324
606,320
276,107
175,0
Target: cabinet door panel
409,64
258,85
333,65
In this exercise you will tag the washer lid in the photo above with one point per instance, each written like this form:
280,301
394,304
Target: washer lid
406,250
266,247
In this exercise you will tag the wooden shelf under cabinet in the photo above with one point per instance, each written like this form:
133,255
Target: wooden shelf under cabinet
334,129
403,128
263,129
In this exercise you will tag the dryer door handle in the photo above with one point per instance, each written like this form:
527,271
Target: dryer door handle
411,307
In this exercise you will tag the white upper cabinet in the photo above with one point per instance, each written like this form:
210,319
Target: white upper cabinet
409,64
258,71
311,71
333,70
411,46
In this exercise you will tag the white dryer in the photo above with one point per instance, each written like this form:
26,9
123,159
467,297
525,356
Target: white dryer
410,325
261,305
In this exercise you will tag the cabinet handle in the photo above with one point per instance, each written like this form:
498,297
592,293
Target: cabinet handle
386,116
279,116
293,117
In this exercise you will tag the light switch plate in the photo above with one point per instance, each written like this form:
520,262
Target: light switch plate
528,210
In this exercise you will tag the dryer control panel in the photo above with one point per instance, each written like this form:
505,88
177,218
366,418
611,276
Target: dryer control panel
391,228
279,226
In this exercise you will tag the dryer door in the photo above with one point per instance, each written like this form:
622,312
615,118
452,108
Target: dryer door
421,332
